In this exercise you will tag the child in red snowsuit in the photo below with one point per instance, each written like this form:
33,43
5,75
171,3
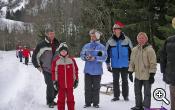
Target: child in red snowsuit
65,72
26,54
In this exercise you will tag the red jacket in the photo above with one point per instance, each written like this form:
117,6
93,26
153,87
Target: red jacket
26,52
65,71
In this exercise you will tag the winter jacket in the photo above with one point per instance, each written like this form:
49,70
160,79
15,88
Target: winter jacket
65,71
19,52
167,60
26,53
118,50
43,53
93,48
143,62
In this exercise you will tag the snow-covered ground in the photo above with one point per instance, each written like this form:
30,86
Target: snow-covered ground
23,88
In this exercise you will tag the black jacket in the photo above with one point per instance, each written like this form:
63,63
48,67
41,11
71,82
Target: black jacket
167,60
43,53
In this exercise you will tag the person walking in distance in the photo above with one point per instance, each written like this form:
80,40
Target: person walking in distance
26,54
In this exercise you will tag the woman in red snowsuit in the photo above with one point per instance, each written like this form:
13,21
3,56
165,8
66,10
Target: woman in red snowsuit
65,72
26,53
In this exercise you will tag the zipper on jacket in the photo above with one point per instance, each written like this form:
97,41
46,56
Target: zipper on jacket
65,73
118,48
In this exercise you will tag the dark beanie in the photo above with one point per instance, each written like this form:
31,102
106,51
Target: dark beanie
63,48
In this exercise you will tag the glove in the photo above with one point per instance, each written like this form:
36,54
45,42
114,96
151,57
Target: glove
109,68
151,78
40,69
100,53
17,56
90,58
130,76
165,79
75,83
55,85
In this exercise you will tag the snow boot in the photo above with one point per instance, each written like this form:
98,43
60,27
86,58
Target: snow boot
137,108
115,99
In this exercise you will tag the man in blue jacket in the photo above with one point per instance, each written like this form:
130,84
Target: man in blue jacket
119,48
94,54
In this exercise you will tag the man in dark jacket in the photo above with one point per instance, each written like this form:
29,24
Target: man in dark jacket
119,48
42,58
167,64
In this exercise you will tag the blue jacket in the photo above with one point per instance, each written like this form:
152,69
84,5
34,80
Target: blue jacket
93,48
119,50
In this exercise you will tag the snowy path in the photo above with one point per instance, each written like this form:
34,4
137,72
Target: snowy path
23,88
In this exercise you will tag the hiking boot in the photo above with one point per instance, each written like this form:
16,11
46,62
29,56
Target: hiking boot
115,99
126,98
137,108
87,105
51,105
96,106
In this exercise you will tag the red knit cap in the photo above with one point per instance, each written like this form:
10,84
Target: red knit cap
118,24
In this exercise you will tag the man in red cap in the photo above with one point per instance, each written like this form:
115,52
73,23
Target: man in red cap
119,48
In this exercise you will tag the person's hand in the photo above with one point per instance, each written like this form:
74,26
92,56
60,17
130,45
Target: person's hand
87,58
90,58
100,53
130,76
55,85
16,56
40,69
75,83
151,78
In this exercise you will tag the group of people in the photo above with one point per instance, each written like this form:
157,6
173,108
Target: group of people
122,59
23,52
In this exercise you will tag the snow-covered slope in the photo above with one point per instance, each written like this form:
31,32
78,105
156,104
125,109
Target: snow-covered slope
13,6
12,25
23,88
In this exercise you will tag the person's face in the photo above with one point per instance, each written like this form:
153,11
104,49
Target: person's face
117,31
63,53
142,39
51,35
93,37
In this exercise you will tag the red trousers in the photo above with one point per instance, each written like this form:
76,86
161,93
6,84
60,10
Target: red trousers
65,93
